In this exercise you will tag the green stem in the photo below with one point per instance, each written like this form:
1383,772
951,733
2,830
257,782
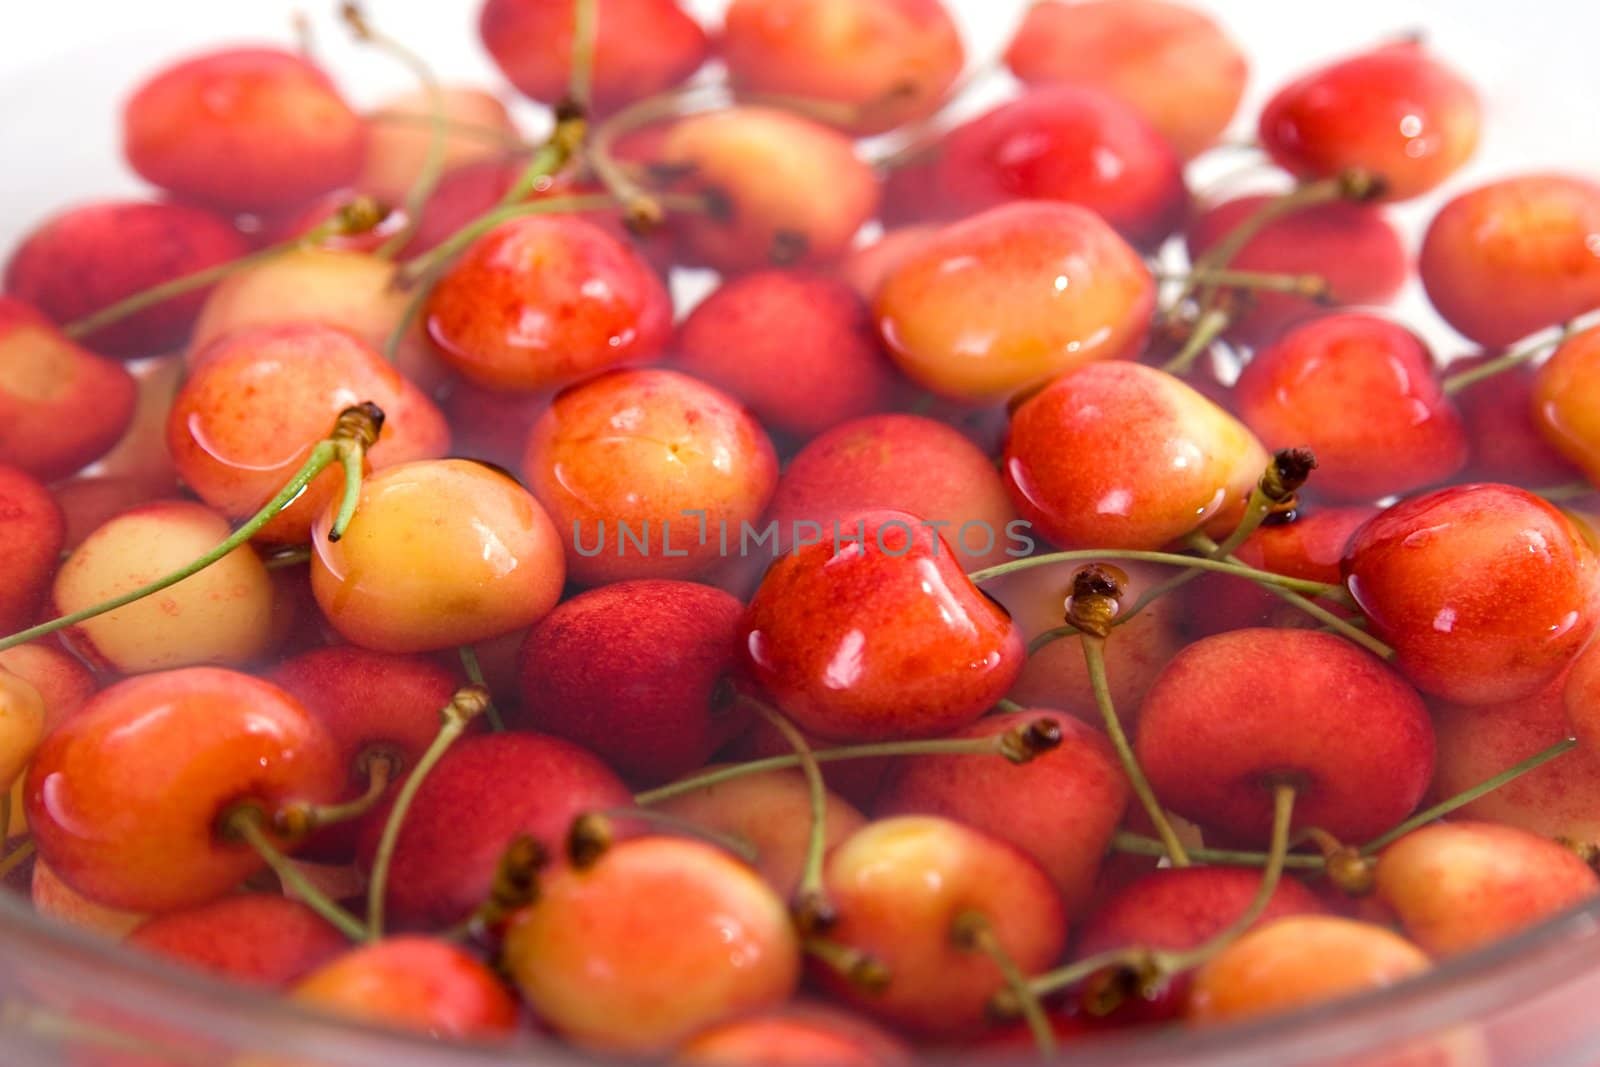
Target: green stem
246,824
353,459
1557,494
1140,845
297,820
813,911
580,86
1171,559
286,558
474,672
1455,383
733,843
1050,637
1008,705
457,127
973,931
1310,286
16,858
1202,336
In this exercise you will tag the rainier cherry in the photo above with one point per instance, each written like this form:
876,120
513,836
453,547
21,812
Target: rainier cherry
413,983
32,533
1566,390
22,726
1004,300
1486,592
874,632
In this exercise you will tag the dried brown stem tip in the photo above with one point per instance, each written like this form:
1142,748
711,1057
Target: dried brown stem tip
516,879
359,215
1030,740
1360,185
1288,471
813,913
1096,598
362,424
1353,873
590,837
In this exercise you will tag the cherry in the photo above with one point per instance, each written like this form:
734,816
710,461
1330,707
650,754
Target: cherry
856,780
206,743
798,1035
865,267
718,938
801,349
1303,389
61,680
654,709
1060,808
905,888
1068,143
1352,247
412,983
400,137
1299,961
494,561
259,399
1435,575
908,463
88,258
258,938
32,534
641,47
46,381
1506,259
1503,437
1006,299
881,636
1120,455
222,614
22,727
485,793
244,129
1236,712
88,503
1171,63
649,472
1394,111
489,426
889,61
1565,389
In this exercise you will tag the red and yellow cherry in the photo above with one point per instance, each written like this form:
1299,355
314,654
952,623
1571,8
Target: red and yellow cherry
1171,63
543,301
1060,808
412,983
1460,886
656,710
1362,394
245,129
32,533
207,742
22,727
719,942
399,139
1235,713
54,899
61,683
90,257
1485,591
89,502
440,553
259,938
889,62
1004,300
641,47
865,267
46,383
761,169
1565,390
649,472
1514,256
1120,455
1394,112
902,886
222,614
484,794
800,349
798,1035
260,399
1079,145
880,637
907,463
1297,962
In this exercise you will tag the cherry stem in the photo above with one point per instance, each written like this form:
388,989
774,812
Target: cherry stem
457,127
850,963
641,208
1140,845
5,814
1171,559
1455,383
466,705
814,913
739,846
247,823
298,819
16,858
355,430
286,558
580,85
1201,337
1007,705
474,672
1557,494
515,885
1461,800
1311,286
1019,745
972,931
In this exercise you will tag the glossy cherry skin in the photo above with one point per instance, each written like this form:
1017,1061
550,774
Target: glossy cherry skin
1006,299
1362,394
1354,248
259,400
259,938
1505,438
882,637
652,455
46,383
54,899
22,727
486,792
244,129
633,671
1068,143
798,1035
1394,111
1120,455
1512,257
205,741
1237,712
1485,592
1565,390
719,942
412,983
641,47
1060,808
32,534
90,257
1171,63
544,301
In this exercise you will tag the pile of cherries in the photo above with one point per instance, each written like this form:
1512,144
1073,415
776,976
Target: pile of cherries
1027,597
